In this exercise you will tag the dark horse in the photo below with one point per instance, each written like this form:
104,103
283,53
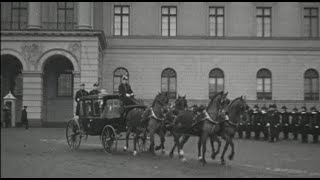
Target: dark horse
184,125
150,120
235,110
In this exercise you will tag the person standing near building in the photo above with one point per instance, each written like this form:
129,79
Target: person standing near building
295,123
95,89
80,94
24,117
256,122
6,116
285,122
315,124
273,121
304,125
265,128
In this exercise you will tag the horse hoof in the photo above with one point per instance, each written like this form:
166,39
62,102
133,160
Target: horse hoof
184,159
204,162
230,157
135,153
125,148
163,152
200,158
157,148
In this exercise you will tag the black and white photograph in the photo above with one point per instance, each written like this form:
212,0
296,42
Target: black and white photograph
160,89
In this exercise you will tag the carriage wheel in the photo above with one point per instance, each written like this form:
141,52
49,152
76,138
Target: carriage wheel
73,135
109,139
144,143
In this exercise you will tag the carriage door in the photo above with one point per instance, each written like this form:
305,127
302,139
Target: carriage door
57,90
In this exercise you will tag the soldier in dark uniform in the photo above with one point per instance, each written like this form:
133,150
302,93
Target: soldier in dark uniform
285,122
24,117
304,125
273,119
256,122
95,89
277,121
126,93
265,128
80,94
248,124
241,126
315,124
295,123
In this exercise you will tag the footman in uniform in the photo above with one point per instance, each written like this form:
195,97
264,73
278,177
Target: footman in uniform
80,94
315,124
304,126
285,122
295,123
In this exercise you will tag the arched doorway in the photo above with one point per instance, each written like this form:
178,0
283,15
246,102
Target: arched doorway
11,80
57,90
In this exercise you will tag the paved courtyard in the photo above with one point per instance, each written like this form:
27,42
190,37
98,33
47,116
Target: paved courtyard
43,152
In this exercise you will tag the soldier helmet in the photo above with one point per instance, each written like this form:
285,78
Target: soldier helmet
82,84
313,108
25,106
295,109
304,107
264,107
96,84
283,107
201,108
124,77
256,106
270,106
274,106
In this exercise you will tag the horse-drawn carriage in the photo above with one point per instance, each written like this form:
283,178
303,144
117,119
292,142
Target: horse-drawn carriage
102,115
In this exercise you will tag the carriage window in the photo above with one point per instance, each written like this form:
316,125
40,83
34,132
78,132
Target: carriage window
81,108
113,109
88,108
264,84
97,107
216,82
169,82
311,85
118,73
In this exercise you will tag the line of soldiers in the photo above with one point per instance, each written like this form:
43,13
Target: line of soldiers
270,122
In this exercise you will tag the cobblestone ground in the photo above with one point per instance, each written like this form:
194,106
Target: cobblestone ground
43,152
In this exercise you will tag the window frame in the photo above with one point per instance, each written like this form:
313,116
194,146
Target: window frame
57,84
65,9
263,16
172,95
121,19
19,9
169,15
263,94
311,95
309,18
211,76
215,16
127,74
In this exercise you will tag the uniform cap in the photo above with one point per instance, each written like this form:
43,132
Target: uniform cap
96,84
264,107
124,77
313,109
256,106
274,106
82,84
295,109
304,107
271,106
283,107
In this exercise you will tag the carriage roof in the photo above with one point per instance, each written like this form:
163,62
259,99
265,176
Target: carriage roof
100,96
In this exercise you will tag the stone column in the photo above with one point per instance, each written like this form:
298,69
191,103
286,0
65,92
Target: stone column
84,16
76,87
32,96
34,15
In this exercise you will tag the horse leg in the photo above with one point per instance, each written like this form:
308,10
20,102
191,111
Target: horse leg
204,147
135,143
212,147
217,139
162,139
127,139
232,149
224,151
151,148
199,149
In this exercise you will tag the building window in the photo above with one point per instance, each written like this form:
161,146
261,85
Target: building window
65,85
216,82
169,21
65,16
216,21
14,15
263,21
121,20
311,85
117,74
169,82
311,22
264,84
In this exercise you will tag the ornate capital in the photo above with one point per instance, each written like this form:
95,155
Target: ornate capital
31,51
74,48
